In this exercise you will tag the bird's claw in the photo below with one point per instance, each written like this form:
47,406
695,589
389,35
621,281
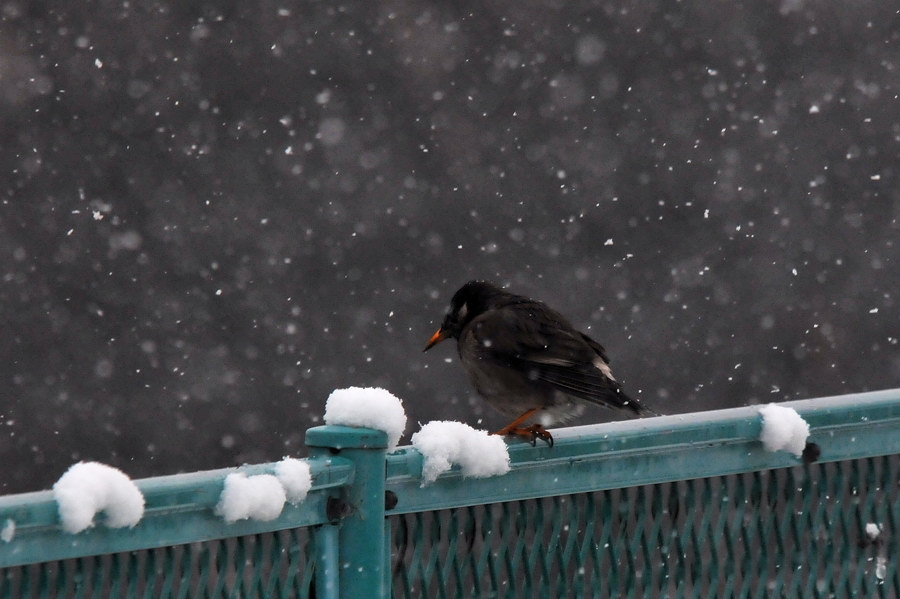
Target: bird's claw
530,433
539,432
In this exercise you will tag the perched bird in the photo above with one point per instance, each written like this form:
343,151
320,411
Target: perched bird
528,361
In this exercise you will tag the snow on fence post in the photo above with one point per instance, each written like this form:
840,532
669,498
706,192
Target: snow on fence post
358,511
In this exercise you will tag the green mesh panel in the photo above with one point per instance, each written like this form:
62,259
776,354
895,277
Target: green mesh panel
265,565
797,532
791,532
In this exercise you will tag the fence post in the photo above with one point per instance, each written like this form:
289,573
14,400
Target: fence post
362,559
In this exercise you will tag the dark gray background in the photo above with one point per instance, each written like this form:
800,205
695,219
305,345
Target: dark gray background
213,214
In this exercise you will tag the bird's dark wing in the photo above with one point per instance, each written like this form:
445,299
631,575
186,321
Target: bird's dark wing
601,351
546,349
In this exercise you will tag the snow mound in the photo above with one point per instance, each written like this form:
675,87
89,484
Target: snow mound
783,429
368,407
295,478
88,488
9,531
259,497
444,443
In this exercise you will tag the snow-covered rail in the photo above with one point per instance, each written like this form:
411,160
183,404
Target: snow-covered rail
689,505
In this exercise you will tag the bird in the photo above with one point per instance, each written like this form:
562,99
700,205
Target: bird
528,361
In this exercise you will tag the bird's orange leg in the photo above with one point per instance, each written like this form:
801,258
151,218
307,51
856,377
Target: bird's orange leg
531,433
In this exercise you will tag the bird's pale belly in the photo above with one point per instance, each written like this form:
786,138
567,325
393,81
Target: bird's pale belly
512,394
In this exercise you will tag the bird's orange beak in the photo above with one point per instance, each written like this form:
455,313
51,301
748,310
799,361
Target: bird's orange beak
435,339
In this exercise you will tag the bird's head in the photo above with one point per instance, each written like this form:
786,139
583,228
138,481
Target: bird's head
472,299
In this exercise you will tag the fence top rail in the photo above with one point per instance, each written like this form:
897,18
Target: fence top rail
656,450
181,508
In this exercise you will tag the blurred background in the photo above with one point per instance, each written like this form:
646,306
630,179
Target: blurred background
215,213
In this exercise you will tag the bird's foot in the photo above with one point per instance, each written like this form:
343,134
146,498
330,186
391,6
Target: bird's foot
530,433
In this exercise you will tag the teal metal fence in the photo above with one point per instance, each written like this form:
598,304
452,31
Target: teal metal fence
677,506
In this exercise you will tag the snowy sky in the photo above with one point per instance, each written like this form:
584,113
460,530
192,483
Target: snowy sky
213,217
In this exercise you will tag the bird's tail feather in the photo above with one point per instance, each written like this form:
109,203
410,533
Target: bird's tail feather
637,407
